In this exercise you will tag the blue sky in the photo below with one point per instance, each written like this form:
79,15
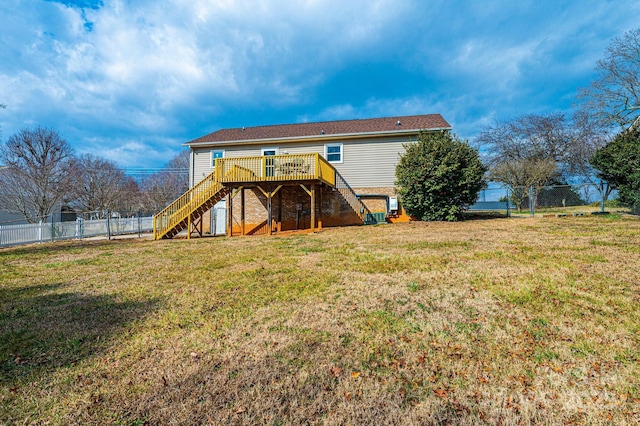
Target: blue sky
133,80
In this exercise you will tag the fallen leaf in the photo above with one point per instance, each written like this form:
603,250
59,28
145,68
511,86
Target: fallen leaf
442,393
336,371
355,374
347,395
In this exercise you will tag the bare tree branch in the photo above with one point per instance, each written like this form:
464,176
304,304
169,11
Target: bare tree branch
100,185
163,187
38,172
537,150
614,97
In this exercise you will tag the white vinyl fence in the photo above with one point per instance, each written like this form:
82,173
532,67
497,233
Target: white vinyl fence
78,229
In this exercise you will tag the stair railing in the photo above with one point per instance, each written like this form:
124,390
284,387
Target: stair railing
178,210
350,196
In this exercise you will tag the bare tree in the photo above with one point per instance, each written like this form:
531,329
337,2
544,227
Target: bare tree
100,185
37,173
160,189
615,95
590,135
569,142
527,138
523,174
538,150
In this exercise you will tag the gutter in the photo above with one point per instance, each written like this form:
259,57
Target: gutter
293,139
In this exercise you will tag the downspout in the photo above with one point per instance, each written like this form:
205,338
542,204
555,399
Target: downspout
192,169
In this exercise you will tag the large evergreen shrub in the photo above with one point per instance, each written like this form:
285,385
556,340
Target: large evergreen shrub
439,177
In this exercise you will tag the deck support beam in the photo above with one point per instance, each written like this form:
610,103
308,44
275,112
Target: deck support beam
269,196
229,215
312,193
242,211
194,224
313,207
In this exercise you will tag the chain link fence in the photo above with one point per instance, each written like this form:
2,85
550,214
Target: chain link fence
578,199
67,226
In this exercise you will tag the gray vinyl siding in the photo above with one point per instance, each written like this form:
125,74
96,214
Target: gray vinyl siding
371,163
367,163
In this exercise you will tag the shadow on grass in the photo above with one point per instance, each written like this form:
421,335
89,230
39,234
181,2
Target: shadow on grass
43,328
56,246
484,215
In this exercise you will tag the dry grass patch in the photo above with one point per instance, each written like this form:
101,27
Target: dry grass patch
502,321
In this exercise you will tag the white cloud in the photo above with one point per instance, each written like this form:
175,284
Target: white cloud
130,77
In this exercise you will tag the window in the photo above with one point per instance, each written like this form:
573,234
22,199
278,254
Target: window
269,163
218,153
333,152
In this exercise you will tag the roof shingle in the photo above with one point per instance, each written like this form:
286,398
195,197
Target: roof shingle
327,128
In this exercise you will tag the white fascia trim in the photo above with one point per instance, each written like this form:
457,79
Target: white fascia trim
313,137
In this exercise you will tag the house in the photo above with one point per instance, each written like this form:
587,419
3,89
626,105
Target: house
276,178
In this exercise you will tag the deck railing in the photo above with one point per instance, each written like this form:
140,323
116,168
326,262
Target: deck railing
274,168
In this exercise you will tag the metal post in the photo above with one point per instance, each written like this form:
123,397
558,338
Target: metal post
139,225
507,191
532,207
108,225
53,236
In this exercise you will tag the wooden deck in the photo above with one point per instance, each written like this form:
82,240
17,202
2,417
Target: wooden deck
232,175
275,168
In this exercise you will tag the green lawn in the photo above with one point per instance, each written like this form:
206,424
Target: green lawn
496,321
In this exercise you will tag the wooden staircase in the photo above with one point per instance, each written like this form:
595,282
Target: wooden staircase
190,207
350,196
193,204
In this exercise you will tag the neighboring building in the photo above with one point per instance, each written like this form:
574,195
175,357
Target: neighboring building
297,176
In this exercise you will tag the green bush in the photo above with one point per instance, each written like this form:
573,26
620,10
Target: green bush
618,163
439,177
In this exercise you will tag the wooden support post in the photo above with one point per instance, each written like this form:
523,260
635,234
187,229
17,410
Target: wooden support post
269,196
189,226
242,211
279,219
320,209
269,214
229,215
197,225
313,207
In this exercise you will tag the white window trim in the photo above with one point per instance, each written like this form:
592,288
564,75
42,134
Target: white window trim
212,161
271,148
326,156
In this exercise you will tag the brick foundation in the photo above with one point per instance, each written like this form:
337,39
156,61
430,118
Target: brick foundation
291,209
